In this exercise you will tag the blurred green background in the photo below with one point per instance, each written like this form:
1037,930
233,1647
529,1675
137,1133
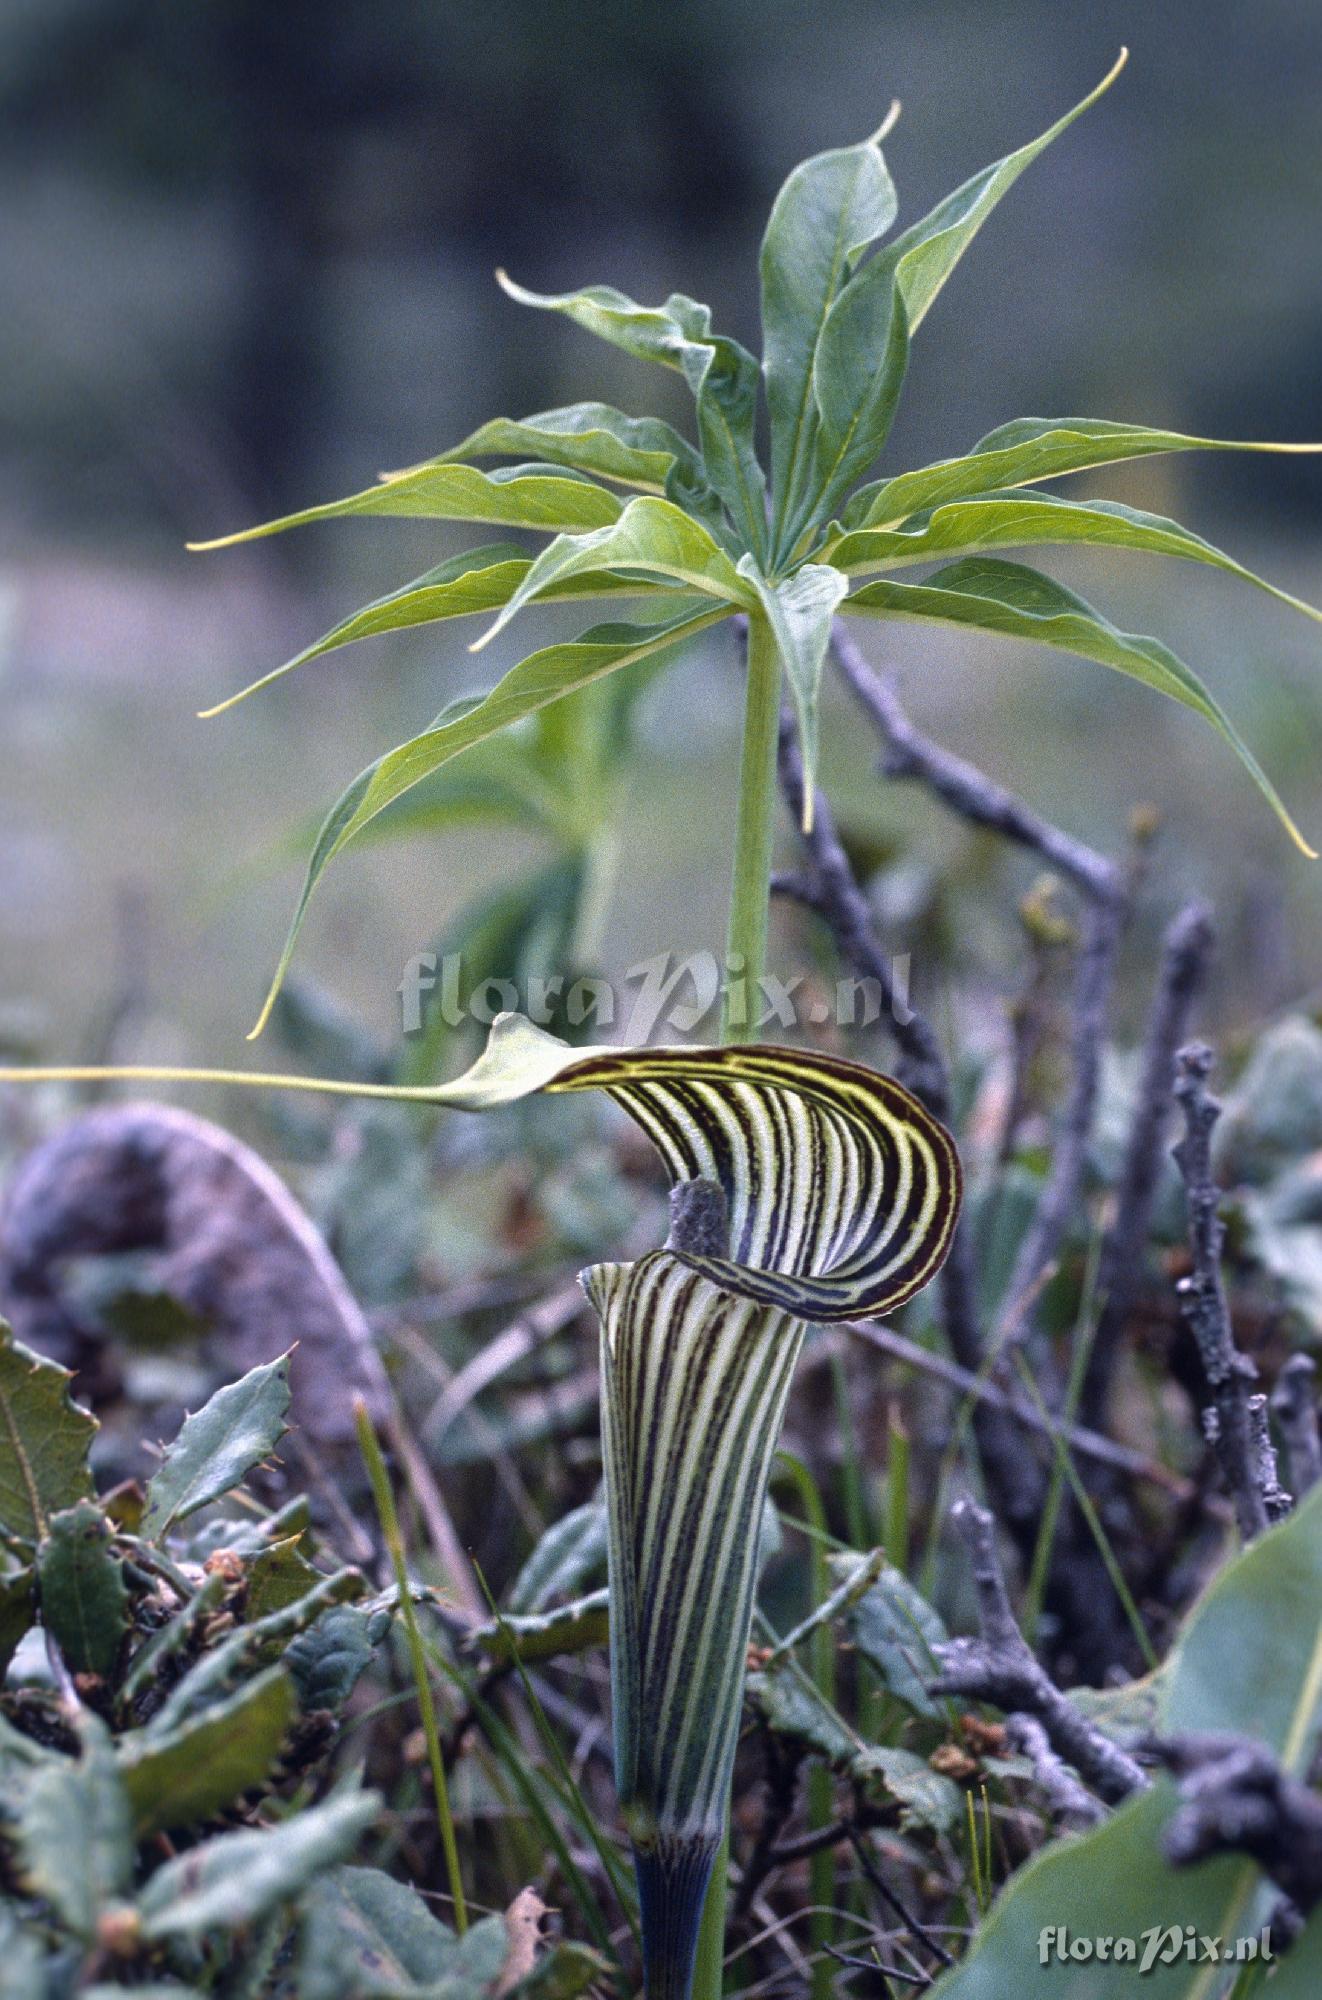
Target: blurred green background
246,254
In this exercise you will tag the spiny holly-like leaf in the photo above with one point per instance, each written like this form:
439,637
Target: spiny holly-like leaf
895,1627
923,256
44,1441
365,1934
481,580
651,537
1249,1661
24,1963
542,678
799,610
239,1878
592,438
17,1614
516,496
84,1599
250,1647
277,1577
1021,520
219,1446
329,1658
1020,603
1021,454
75,1834
826,214
530,1636
179,1777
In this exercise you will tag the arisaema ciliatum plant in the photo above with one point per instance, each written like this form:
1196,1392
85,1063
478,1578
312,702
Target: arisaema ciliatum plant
698,531
805,1188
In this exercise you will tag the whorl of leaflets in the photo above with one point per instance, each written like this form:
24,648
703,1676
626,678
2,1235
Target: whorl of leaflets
700,531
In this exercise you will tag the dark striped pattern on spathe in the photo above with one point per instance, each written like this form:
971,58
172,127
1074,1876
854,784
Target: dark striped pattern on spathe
843,1191
694,1384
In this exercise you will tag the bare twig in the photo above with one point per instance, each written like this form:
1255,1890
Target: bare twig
1092,992
835,894
1230,1375
1294,1405
1064,1794
1000,1667
1235,1797
974,796
539,1324
1186,951
1012,1476
961,786
892,1901
1085,1443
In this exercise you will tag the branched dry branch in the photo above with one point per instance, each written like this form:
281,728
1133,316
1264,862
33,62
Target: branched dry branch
1000,1667
1065,1796
1105,891
1242,1447
1186,951
961,786
1235,1797
1012,1474
1294,1405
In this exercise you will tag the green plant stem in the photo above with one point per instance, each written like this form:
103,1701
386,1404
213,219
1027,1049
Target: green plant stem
821,1868
709,1959
746,955
394,1541
746,945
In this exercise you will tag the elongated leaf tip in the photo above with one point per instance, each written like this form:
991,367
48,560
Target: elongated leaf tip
888,123
258,1028
220,542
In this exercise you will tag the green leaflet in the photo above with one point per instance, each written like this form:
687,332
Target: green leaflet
1022,453
652,537
799,610
925,254
1017,520
826,214
1020,603
543,677
591,438
517,496
649,333
480,580
722,376
858,374
84,1599
1010,520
